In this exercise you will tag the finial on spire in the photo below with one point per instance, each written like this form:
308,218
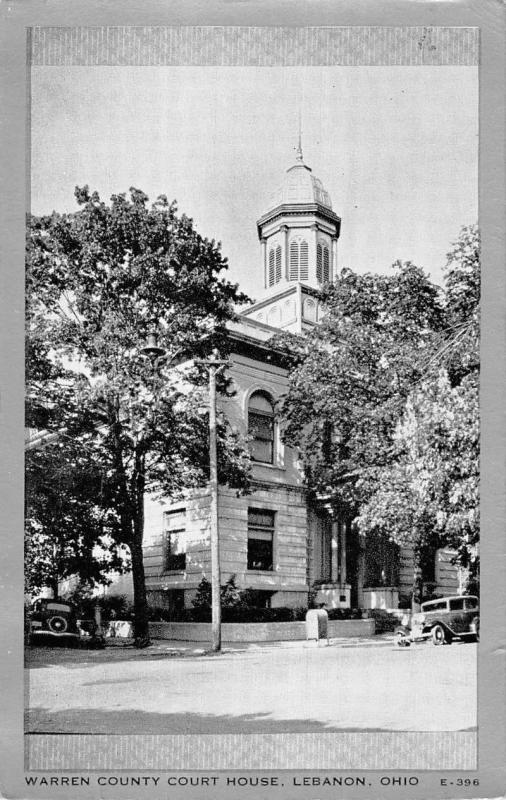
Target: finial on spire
299,147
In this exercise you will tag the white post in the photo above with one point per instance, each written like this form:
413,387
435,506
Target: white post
213,487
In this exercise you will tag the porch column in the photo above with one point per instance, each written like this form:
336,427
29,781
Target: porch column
284,230
360,571
334,552
312,261
343,553
333,264
264,256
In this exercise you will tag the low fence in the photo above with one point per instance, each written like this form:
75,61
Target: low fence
257,631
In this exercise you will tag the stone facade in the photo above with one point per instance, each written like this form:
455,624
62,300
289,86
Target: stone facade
277,490
273,540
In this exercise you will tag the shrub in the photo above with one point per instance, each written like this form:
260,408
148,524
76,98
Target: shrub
345,613
112,607
385,621
202,600
231,596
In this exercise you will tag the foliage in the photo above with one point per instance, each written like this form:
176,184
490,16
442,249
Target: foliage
98,281
66,529
230,597
429,495
239,613
356,374
389,384
230,594
202,600
111,606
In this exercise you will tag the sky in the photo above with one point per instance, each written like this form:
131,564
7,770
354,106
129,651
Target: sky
396,147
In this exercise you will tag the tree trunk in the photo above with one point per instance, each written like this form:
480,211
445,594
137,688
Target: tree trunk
141,616
54,587
132,522
141,626
416,598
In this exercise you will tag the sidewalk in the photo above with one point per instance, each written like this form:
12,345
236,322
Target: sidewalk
121,649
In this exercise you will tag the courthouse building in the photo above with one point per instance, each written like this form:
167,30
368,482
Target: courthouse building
275,540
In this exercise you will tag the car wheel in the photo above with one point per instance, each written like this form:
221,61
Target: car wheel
477,630
401,638
57,624
438,635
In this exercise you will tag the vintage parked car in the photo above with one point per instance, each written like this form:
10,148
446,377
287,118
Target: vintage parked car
442,620
54,621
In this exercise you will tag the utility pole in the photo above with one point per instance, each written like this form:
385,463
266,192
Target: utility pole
215,541
213,365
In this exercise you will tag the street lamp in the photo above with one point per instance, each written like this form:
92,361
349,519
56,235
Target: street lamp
213,364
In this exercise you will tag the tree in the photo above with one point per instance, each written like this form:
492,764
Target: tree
429,495
66,529
389,383
353,376
99,281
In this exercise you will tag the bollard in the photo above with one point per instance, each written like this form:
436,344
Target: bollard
317,625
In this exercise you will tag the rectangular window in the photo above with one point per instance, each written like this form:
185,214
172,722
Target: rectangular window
260,539
175,540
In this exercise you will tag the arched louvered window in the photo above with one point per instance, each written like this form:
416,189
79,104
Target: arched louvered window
261,427
326,265
319,264
278,263
304,261
271,266
294,261
299,261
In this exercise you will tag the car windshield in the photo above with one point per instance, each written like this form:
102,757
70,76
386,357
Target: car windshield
434,605
58,607
470,602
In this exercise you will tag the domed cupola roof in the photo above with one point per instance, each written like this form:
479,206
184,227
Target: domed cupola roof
300,201
300,186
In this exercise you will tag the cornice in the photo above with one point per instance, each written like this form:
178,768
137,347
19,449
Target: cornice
280,295
299,210
241,344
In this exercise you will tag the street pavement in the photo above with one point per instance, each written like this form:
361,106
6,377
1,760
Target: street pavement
180,688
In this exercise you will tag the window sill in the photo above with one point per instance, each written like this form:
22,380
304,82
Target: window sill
174,571
280,467
260,571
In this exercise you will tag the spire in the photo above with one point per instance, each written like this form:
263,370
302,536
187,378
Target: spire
299,147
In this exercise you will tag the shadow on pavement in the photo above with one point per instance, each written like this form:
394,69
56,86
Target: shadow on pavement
39,657
92,721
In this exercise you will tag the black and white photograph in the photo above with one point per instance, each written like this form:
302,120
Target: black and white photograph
252,411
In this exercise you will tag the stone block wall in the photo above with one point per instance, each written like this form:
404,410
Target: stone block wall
258,631
287,579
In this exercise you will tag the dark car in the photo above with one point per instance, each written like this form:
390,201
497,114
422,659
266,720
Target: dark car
442,620
54,621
